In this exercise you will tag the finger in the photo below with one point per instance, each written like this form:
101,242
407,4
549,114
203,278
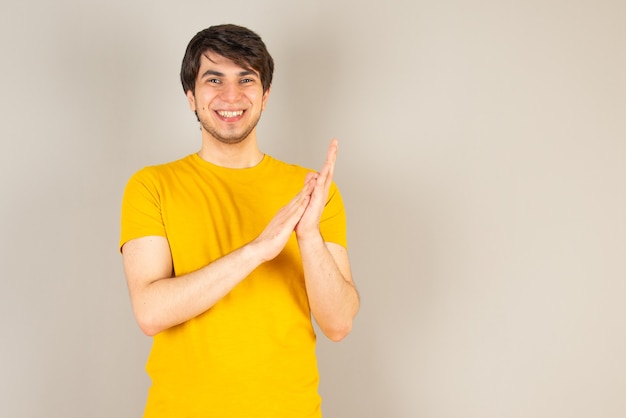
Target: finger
289,215
331,158
303,197
309,183
328,167
331,155
311,177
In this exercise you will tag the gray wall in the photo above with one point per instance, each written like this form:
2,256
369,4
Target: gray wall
482,161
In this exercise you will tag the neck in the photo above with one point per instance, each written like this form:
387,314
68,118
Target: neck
244,154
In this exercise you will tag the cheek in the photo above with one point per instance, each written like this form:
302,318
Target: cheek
202,104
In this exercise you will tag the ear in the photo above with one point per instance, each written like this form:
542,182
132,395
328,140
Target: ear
266,95
192,100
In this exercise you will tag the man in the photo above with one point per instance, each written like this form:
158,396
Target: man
228,252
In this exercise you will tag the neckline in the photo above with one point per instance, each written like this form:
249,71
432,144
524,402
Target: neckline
206,164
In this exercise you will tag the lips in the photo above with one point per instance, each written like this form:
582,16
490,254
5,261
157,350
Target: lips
229,113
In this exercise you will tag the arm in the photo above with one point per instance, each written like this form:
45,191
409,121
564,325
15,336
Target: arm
161,300
332,294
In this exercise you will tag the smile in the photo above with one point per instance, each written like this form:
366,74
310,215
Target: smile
229,114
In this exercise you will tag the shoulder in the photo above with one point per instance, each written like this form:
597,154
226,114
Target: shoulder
295,171
155,173
277,165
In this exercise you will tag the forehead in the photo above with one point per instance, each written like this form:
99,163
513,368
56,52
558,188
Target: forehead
211,61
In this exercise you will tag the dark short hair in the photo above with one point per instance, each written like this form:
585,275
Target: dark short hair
240,45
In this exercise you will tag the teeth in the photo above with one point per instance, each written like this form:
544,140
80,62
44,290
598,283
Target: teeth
230,114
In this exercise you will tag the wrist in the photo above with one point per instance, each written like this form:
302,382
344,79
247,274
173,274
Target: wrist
309,237
257,252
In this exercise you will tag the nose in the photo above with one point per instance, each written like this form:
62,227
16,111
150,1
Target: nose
230,92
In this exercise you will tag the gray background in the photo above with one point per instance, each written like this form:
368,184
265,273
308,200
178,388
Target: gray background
482,161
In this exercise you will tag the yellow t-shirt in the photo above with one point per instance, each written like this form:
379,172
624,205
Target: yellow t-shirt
253,353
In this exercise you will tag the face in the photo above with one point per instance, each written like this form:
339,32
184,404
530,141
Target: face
228,99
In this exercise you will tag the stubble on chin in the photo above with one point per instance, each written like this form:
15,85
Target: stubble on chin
235,138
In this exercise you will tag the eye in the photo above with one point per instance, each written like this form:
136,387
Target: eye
246,80
213,80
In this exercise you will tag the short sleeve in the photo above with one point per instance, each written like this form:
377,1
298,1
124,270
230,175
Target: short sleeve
141,207
333,221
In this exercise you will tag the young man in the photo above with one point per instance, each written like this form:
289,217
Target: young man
228,252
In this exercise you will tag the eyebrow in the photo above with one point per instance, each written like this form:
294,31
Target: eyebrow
219,74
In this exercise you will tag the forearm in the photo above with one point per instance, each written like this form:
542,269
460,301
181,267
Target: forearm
333,298
169,301
161,301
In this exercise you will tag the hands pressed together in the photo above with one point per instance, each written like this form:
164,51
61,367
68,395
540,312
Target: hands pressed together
160,303
302,214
